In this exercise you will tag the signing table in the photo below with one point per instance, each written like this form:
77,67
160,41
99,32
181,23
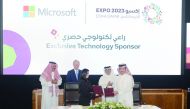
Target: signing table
80,107
163,98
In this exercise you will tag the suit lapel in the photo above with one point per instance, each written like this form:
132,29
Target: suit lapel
74,75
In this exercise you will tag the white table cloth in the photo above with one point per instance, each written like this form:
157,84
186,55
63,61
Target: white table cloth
79,107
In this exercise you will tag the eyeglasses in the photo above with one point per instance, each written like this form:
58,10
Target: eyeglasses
107,69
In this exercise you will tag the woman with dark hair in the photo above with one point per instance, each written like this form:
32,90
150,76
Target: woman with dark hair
85,89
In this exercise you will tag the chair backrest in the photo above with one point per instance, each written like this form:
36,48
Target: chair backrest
137,94
71,93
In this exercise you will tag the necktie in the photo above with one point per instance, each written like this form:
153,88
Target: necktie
76,72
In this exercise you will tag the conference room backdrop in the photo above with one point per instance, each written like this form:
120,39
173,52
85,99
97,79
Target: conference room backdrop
16,91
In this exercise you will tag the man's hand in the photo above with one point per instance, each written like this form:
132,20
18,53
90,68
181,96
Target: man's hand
97,95
115,92
54,81
109,83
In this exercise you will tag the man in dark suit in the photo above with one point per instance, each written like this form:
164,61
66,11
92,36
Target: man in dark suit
74,74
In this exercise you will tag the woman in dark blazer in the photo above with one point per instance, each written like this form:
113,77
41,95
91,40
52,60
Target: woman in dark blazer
85,89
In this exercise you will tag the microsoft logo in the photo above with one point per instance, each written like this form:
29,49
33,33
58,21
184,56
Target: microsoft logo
31,11
28,11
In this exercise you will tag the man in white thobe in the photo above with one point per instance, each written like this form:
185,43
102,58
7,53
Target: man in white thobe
50,80
108,81
124,86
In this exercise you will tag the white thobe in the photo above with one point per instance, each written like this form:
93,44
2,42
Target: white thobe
103,81
124,86
49,100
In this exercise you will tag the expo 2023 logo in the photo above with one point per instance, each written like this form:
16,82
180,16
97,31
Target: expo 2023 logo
152,14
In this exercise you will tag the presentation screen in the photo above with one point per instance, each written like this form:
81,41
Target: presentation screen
144,34
188,47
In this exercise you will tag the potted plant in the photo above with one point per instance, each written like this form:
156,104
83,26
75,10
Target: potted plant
108,105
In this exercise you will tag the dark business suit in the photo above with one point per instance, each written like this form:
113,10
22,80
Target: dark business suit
71,76
86,92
